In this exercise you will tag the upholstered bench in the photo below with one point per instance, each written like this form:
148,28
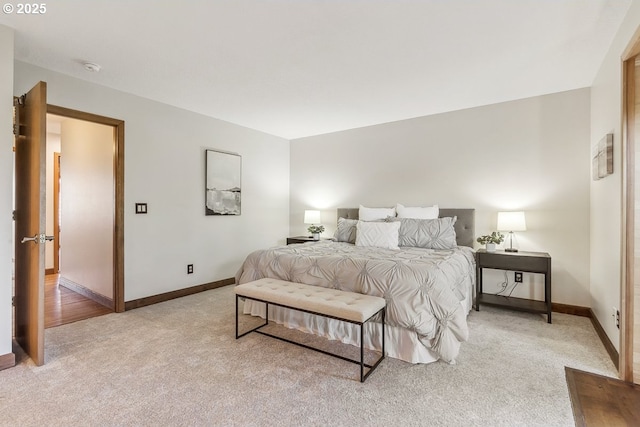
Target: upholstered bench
332,303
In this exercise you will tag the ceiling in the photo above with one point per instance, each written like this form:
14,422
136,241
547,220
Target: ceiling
295,68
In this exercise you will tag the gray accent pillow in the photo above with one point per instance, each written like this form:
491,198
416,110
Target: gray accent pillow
346,230
427,233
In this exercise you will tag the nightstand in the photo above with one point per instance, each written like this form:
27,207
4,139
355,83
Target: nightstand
300,239
530,262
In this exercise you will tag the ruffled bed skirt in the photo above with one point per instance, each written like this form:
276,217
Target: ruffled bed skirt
399,343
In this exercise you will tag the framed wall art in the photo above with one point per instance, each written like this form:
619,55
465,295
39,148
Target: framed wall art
223,183
602,158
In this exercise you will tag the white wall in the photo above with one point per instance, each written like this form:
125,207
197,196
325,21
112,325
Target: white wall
6,188
606,201
526,155
164,167
87,205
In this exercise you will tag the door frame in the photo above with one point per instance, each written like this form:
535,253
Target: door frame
625,360
118,175
629,311
56,213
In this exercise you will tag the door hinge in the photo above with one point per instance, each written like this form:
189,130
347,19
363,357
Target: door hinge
13,215
18,131
18,102
13,301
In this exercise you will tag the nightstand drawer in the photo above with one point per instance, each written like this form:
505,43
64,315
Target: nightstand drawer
302,239
514,262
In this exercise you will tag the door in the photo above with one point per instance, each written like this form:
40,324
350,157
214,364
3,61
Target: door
30,191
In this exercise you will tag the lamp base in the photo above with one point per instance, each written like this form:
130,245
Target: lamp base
511,250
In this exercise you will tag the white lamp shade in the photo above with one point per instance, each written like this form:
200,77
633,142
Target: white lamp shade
511,221
312,217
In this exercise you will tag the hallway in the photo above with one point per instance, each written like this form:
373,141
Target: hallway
62,305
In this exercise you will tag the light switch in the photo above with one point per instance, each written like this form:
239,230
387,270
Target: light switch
141,208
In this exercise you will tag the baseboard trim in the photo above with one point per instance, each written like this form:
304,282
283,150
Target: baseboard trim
7,361
608,345
587,312
49,271
575,310
154,299
94,296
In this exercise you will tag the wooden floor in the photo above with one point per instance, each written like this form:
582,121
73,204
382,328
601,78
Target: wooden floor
62,305
601,401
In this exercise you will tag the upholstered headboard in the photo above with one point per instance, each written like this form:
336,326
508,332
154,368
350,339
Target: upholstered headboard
464,226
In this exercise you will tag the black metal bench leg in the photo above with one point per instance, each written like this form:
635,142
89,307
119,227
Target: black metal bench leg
362,352
236,316
361,362
384,312
238,334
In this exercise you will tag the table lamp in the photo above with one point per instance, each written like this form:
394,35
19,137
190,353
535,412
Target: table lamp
511,221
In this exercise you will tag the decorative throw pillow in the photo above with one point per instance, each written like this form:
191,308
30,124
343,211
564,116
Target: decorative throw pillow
375,214
378,234
429,212
426,233
346,231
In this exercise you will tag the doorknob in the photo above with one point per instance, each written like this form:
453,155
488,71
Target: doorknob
30,239
37,239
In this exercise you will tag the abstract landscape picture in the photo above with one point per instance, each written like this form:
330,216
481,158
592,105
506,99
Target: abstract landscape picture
223,183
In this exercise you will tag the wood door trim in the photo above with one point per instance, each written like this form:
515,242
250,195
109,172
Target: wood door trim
56,214
628,213
633,48
118,166
627,291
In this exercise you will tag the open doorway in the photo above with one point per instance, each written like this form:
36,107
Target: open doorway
83,288
30,111
82,262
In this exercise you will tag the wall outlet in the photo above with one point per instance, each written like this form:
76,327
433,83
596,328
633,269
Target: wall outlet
189,268
518,277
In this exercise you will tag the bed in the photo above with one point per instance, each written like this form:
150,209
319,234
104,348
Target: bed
428,291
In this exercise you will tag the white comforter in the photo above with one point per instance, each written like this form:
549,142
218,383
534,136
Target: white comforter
426,290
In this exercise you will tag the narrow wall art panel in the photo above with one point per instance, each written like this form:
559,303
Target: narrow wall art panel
223,183
602,158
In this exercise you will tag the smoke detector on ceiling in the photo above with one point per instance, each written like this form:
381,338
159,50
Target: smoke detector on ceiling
92,67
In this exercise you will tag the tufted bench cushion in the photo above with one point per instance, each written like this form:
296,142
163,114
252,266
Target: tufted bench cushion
329,302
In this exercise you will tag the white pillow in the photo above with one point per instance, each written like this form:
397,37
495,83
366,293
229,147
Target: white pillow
375,214
429,212
378,234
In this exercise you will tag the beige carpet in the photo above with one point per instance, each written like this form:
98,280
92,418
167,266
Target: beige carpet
178,363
